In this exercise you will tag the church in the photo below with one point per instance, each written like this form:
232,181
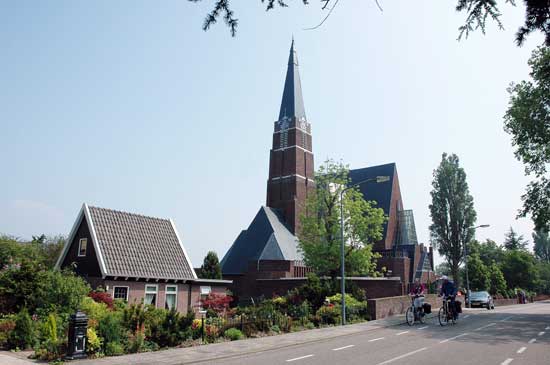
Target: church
265,259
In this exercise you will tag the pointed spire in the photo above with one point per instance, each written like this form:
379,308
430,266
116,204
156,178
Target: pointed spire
292,104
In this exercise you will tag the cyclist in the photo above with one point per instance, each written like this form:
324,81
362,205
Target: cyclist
448,291
417,291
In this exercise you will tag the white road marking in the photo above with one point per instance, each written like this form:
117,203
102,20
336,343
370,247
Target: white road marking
547,328
453,338
299,358
533,340
489,325
466,316
377,339
341,348
402,356
521,350
505,319
421,328
506,362
541,333
402,333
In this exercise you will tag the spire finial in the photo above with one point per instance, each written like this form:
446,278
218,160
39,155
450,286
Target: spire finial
292,104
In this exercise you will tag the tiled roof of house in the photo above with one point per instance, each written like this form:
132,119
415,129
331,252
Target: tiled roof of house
267,238
135,246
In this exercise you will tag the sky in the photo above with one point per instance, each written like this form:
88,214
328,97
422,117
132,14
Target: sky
129,105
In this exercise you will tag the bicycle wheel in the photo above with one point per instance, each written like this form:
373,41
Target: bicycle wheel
443,320
422,317
409,316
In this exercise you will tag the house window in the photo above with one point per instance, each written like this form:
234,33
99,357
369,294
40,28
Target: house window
120,292
82,245
171,297
205,291
151,294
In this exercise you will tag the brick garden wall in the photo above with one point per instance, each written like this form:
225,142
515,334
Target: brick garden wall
385,307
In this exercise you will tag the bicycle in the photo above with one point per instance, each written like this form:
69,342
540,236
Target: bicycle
446,314
415,313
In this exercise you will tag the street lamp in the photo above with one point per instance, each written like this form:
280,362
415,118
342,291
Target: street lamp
378,179
466,264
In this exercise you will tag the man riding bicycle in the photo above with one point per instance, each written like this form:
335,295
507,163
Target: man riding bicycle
448,291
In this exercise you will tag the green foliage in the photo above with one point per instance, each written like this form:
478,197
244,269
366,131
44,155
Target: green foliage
7,325
314,291
513,241
168,328
489,252
114,349
233,334
94,310
23,335
111,330
452,212
63,292
134,317
527,120
320,225
543,285
330,314
94,342
211,268
519,270
478,274
541,239
496,279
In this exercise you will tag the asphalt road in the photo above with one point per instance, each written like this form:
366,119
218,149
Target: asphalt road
507,335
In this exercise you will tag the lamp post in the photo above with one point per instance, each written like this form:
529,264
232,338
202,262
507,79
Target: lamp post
377,179
469,305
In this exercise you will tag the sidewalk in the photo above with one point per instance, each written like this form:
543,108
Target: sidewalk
224,349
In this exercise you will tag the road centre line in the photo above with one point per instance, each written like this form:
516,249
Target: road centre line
505,319
299,358
547,328
341,348
403,356
533,340
466,316
506,362
377,339
489,325
521,350
541,333
402,333
421,328
453,338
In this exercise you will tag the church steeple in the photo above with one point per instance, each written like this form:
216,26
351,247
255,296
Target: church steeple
291,158
292,104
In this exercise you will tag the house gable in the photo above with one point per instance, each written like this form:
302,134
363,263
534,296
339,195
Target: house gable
85,266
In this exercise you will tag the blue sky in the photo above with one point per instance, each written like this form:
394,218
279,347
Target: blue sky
129,105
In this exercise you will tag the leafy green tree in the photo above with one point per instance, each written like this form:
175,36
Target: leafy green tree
519,270
513,241
443,269
543,269
527,120
452,212
211,268
490,251
496,280
320,225
537,15
478,273
542,245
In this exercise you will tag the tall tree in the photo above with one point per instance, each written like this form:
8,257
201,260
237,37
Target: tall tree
320,234
537,15
211,268
519,270
542,245
478,273
452,212
513,241
490,251
527,120
496,280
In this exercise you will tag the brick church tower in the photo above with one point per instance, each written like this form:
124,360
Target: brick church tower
291,170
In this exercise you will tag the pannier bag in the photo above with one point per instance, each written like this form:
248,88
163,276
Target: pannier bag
458,306
427,308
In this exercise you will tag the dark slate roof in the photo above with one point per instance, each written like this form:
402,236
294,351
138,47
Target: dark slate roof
381,193
292,104
267,238
133,245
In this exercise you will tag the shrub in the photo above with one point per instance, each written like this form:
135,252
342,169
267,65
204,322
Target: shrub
63,292
7,325
114,349
233,334
134,318
219,303
196,327
275,328
102,297
94,310
110,329
136,343
24,334
94,342
329,314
